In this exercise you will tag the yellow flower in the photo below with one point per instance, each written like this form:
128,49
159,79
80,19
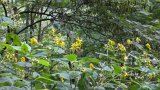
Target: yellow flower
78,40
125,57
61,43
59,35
76,45
148,46
121,47
83,70
53,31
23,59
129,41
14,59
145,54
91,66
125,74
34,41
111,43
138,40
56,40
62,79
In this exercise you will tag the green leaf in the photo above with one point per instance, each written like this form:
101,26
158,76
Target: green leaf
5,74
87,60
16,40
99,88
18,48
58,50
41,54
25,48
138,45
81,83
9,47
64,75
19,83
13,39
44,80
117,69
44,62
134,87
71,57
5,84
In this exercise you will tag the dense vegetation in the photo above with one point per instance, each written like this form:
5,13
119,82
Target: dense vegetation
79,44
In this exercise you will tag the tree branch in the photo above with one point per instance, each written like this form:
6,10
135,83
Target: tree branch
35,13
48,6
31,25
5,10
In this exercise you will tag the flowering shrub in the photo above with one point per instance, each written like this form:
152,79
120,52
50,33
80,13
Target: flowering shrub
55,64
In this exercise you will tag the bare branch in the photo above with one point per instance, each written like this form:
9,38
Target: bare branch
31,25
35,13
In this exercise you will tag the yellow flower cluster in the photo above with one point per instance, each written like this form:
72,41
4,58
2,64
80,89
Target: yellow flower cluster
111,43
121,47
76,45
138,40
57,38
84,70
91,66
11,56
21,73
23,59
125,57
59,41
33,41
125,74
52,32
129,42
148,46
62,79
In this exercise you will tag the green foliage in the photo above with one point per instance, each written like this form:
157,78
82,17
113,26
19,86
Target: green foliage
79,45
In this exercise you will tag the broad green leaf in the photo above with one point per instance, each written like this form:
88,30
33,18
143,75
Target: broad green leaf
9,39
44,62
44,80
41,54
16,40
59,50
87,60
64,75
25,48
13,39
8,47
117,69
19,83
5,84
134,87
18,48
71,57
